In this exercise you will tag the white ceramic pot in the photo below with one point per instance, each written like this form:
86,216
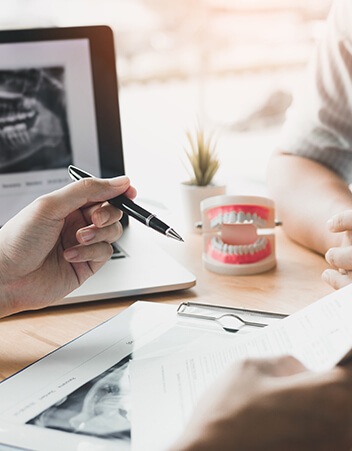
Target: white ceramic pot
191,196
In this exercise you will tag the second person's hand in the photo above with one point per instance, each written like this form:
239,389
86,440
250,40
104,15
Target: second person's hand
340,258
273,404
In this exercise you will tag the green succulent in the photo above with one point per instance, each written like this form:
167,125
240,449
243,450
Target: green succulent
201,154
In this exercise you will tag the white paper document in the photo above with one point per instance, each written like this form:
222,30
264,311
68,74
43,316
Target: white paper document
320,336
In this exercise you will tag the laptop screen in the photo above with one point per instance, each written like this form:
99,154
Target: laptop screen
58,106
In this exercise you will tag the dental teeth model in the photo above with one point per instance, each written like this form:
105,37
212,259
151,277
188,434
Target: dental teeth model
238,234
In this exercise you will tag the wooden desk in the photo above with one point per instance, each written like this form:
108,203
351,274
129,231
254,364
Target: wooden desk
295,283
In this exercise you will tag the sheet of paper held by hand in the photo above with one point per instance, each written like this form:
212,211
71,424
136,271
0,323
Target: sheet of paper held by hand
320,336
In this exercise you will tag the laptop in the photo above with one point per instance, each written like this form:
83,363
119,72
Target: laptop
59,106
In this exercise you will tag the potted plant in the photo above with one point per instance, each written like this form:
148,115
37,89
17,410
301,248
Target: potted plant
203,163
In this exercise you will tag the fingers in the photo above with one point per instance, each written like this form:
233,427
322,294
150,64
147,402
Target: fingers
286,366
98,253
102,215
276,366
337,278
92,234
340,260
94,243
340,257
341,222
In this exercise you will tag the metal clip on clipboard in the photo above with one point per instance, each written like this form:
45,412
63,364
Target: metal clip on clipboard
229,318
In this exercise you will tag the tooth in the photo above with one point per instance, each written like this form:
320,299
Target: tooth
22,134
218,243
226,218
248,217
225,248
251,249
262,243
20,117
241,216
233,217
9,129
213,222
231,249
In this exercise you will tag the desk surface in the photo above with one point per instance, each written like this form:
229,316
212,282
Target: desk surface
293,284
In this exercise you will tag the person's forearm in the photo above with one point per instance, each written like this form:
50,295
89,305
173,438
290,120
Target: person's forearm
306,195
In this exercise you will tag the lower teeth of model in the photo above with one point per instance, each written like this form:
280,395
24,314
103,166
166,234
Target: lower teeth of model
239,249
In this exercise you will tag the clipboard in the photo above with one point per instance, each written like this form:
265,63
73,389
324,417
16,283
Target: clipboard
230,319
95,365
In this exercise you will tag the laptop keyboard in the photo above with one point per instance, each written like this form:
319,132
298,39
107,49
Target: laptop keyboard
117,251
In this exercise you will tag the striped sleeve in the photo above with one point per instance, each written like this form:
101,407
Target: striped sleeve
319,122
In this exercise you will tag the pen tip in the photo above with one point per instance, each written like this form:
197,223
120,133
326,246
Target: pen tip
172,234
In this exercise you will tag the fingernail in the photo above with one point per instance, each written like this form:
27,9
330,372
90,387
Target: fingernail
87,234
103,216
342,271
121,180
71,254
328,255
325,276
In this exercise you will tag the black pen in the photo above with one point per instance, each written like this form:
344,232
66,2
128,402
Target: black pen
130,208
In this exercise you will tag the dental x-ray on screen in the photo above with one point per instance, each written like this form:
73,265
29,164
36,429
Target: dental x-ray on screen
34,132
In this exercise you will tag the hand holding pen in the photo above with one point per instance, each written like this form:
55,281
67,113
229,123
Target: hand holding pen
131,208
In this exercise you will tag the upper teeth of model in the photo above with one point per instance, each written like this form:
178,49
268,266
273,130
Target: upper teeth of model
237,218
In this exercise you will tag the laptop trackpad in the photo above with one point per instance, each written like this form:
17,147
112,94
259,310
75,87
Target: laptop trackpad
118,252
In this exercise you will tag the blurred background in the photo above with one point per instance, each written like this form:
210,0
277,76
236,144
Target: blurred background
229,65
